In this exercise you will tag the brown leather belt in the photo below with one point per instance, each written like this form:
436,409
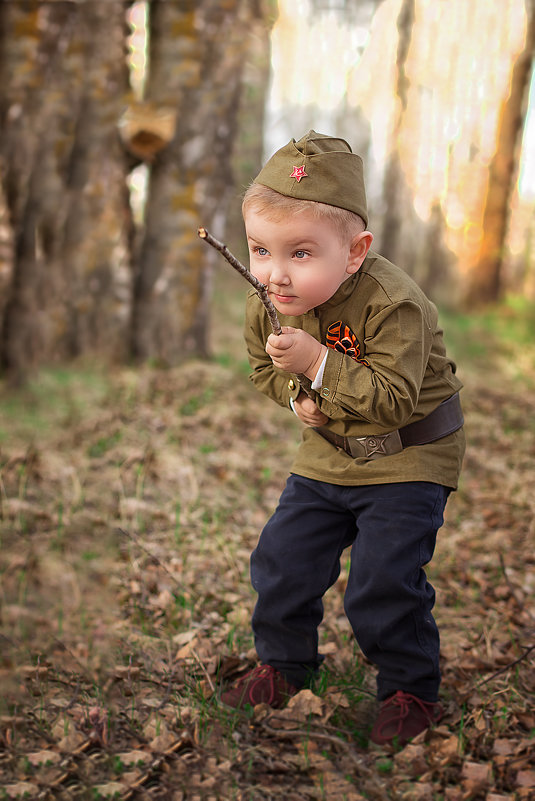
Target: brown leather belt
443,420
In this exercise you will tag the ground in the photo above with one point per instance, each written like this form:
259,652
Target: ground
130,500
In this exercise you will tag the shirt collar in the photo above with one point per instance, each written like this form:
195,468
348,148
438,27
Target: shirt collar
344,291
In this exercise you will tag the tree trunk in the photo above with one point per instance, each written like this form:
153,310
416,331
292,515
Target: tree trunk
197,53
98,225
485,279
394,190
30,56
249,149
6,254
63,80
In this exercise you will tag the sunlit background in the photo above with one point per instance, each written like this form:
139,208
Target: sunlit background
458,72
334,69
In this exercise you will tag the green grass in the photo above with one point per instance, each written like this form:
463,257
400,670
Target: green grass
501,329
54,397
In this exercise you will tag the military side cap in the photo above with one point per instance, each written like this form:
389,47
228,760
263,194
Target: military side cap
318,167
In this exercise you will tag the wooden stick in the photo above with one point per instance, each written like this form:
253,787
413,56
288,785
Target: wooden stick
261,288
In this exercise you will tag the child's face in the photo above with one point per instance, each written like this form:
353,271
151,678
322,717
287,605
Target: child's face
301,259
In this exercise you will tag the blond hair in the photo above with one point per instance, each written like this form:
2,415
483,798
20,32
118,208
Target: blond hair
275,206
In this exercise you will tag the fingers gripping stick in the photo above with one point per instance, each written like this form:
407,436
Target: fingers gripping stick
261,290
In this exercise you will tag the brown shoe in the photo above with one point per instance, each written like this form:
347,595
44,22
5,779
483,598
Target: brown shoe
401,717
262,685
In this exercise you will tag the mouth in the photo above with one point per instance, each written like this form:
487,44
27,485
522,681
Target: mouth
283,298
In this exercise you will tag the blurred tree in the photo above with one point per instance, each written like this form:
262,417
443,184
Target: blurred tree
70,138
197,52
437,84
395,192
63,81
249,148
485,279
6,249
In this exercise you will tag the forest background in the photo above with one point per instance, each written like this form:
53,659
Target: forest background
137,464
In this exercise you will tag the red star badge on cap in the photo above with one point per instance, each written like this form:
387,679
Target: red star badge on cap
298,173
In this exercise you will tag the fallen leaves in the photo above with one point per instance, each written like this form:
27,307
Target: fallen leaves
327,777
21,790
126,604
301,707
412,760
38,758
525,778
475,777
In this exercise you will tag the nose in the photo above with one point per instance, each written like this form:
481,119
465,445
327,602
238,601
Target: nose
279,274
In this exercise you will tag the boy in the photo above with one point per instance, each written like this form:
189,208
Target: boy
362,363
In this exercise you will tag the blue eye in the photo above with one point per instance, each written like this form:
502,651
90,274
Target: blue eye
261,251
300,254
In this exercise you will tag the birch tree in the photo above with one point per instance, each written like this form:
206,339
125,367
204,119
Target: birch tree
394,194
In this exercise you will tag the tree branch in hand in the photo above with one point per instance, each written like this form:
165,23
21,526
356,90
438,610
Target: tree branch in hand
261,290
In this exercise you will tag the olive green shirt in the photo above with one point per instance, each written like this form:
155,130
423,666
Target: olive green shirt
404,375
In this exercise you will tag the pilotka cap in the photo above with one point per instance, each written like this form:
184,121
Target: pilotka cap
318,167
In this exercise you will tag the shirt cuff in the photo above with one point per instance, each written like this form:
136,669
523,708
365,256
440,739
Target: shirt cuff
316,384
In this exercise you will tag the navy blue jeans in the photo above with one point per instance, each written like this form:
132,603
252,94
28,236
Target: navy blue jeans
391,529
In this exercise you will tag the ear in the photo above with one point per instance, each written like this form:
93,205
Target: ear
358,251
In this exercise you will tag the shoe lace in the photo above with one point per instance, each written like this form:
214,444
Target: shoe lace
403,701
257,677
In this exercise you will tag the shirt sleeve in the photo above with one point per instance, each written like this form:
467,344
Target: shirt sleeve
278,385
383,388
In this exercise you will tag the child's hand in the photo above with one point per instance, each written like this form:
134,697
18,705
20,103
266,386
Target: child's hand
295,351
308,412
